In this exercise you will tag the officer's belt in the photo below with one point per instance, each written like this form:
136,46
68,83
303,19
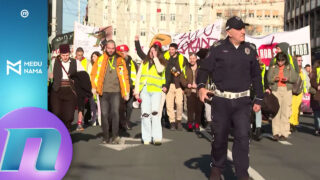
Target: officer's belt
231,95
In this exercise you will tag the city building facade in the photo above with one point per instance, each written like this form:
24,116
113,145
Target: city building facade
301,13
263,16
149,17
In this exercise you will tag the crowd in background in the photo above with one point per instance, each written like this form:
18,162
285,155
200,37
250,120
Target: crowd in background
164,83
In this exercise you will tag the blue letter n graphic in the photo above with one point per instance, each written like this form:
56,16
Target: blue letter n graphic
16,140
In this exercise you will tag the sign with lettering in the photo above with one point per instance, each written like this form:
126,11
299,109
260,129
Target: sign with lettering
298,40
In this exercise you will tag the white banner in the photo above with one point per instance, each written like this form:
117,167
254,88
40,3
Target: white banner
202,38
89,38
298,40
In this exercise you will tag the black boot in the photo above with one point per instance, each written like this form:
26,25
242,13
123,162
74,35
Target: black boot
293,128
257,135
172,126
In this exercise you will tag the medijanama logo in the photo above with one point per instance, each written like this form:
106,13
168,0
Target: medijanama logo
12,66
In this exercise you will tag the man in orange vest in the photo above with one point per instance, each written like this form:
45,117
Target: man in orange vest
109,79
126,106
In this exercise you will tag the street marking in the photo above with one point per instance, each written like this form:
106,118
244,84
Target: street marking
122,146
252,172
285,143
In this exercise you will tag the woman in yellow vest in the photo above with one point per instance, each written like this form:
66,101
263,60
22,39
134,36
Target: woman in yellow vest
150,78
315,98
297,98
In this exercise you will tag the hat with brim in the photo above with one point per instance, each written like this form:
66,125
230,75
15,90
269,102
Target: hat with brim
235,23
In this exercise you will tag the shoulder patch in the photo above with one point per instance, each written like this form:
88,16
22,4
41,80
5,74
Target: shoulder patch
253,46
216,44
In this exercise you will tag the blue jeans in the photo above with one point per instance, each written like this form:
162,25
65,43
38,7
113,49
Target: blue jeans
316,115
258,119
150,120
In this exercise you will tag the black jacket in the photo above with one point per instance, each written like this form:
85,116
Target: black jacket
232,69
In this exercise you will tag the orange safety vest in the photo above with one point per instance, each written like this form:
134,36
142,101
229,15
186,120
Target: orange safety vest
99,71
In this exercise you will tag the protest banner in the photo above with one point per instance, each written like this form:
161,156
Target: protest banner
298,40
202,38
90,38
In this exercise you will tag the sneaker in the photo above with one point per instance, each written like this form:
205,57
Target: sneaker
179,126
190,127
115,140
293,128
146,142
172,126
80,128
104,141
317,133
276,137
197,127
282,138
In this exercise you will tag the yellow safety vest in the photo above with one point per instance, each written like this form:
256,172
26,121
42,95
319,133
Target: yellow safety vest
100,59
290,60
181,59
263,72
151,78
318,75
133,74
84,63
303,78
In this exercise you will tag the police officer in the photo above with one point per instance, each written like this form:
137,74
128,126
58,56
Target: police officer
233,66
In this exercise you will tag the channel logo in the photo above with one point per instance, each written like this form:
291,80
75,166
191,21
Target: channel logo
12,66
34,144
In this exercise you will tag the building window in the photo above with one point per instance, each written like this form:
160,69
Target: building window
162,17
190,17
275,16
114,31
259,14
267,28
251,15
219,14
199,18
275,29
172,17
143,33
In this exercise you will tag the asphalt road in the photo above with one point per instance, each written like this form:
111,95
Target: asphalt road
186,156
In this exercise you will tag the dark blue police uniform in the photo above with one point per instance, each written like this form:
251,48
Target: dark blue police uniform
233,71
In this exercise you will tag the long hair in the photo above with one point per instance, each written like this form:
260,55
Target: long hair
97,54
160,56
282,57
